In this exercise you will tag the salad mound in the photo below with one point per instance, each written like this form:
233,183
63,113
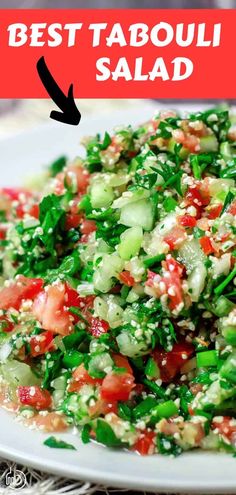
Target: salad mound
118,299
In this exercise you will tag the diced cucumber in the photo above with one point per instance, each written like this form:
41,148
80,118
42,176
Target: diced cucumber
229,333
221,266
196,281
130,346
208,143
110,266
132,297
183,153
102,194
17,373
130,242
228,369
129,197
190,254
220,187
99,364
213,396
138,214
223,306
227,151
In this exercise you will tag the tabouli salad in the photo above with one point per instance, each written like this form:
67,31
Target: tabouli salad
118,297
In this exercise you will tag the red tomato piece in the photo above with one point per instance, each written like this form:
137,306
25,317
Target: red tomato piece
103,407
175,237
34,396
171,282
122,362
23,209
145,445
82,177
117,386
226,426
39,344
72,221
206,245
173,266
232,208
81,377
6,325
126,278
187,221
49,309
14,193
215,211
97,327
23,288
87,227
170,362
197,197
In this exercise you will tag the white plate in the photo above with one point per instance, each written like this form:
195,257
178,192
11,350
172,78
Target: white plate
192,472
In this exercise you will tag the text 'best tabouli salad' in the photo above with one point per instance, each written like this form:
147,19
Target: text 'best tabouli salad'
118,298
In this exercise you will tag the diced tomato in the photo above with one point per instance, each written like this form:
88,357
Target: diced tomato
232,208
23,288
175,238
187,221
145,444
173,266
226,426
97,327
103,407
72,221
6,325
170,362
81,377
169,283
34,396
14,193
82,177
52,422
72,298
189,141
126,278
203,223
215,211
87,227
49,309
3,230
32,210
122,362
117,386
39,344
196,198
206,245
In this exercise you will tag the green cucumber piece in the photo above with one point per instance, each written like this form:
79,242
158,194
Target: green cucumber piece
102,195
208,143
138,214
131,241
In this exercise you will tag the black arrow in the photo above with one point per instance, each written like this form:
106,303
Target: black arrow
69,112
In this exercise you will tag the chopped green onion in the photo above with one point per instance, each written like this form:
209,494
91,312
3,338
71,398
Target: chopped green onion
207,358
144,407
220,288
159,391
166,409
148,262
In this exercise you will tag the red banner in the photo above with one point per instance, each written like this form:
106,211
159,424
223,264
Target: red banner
120,53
